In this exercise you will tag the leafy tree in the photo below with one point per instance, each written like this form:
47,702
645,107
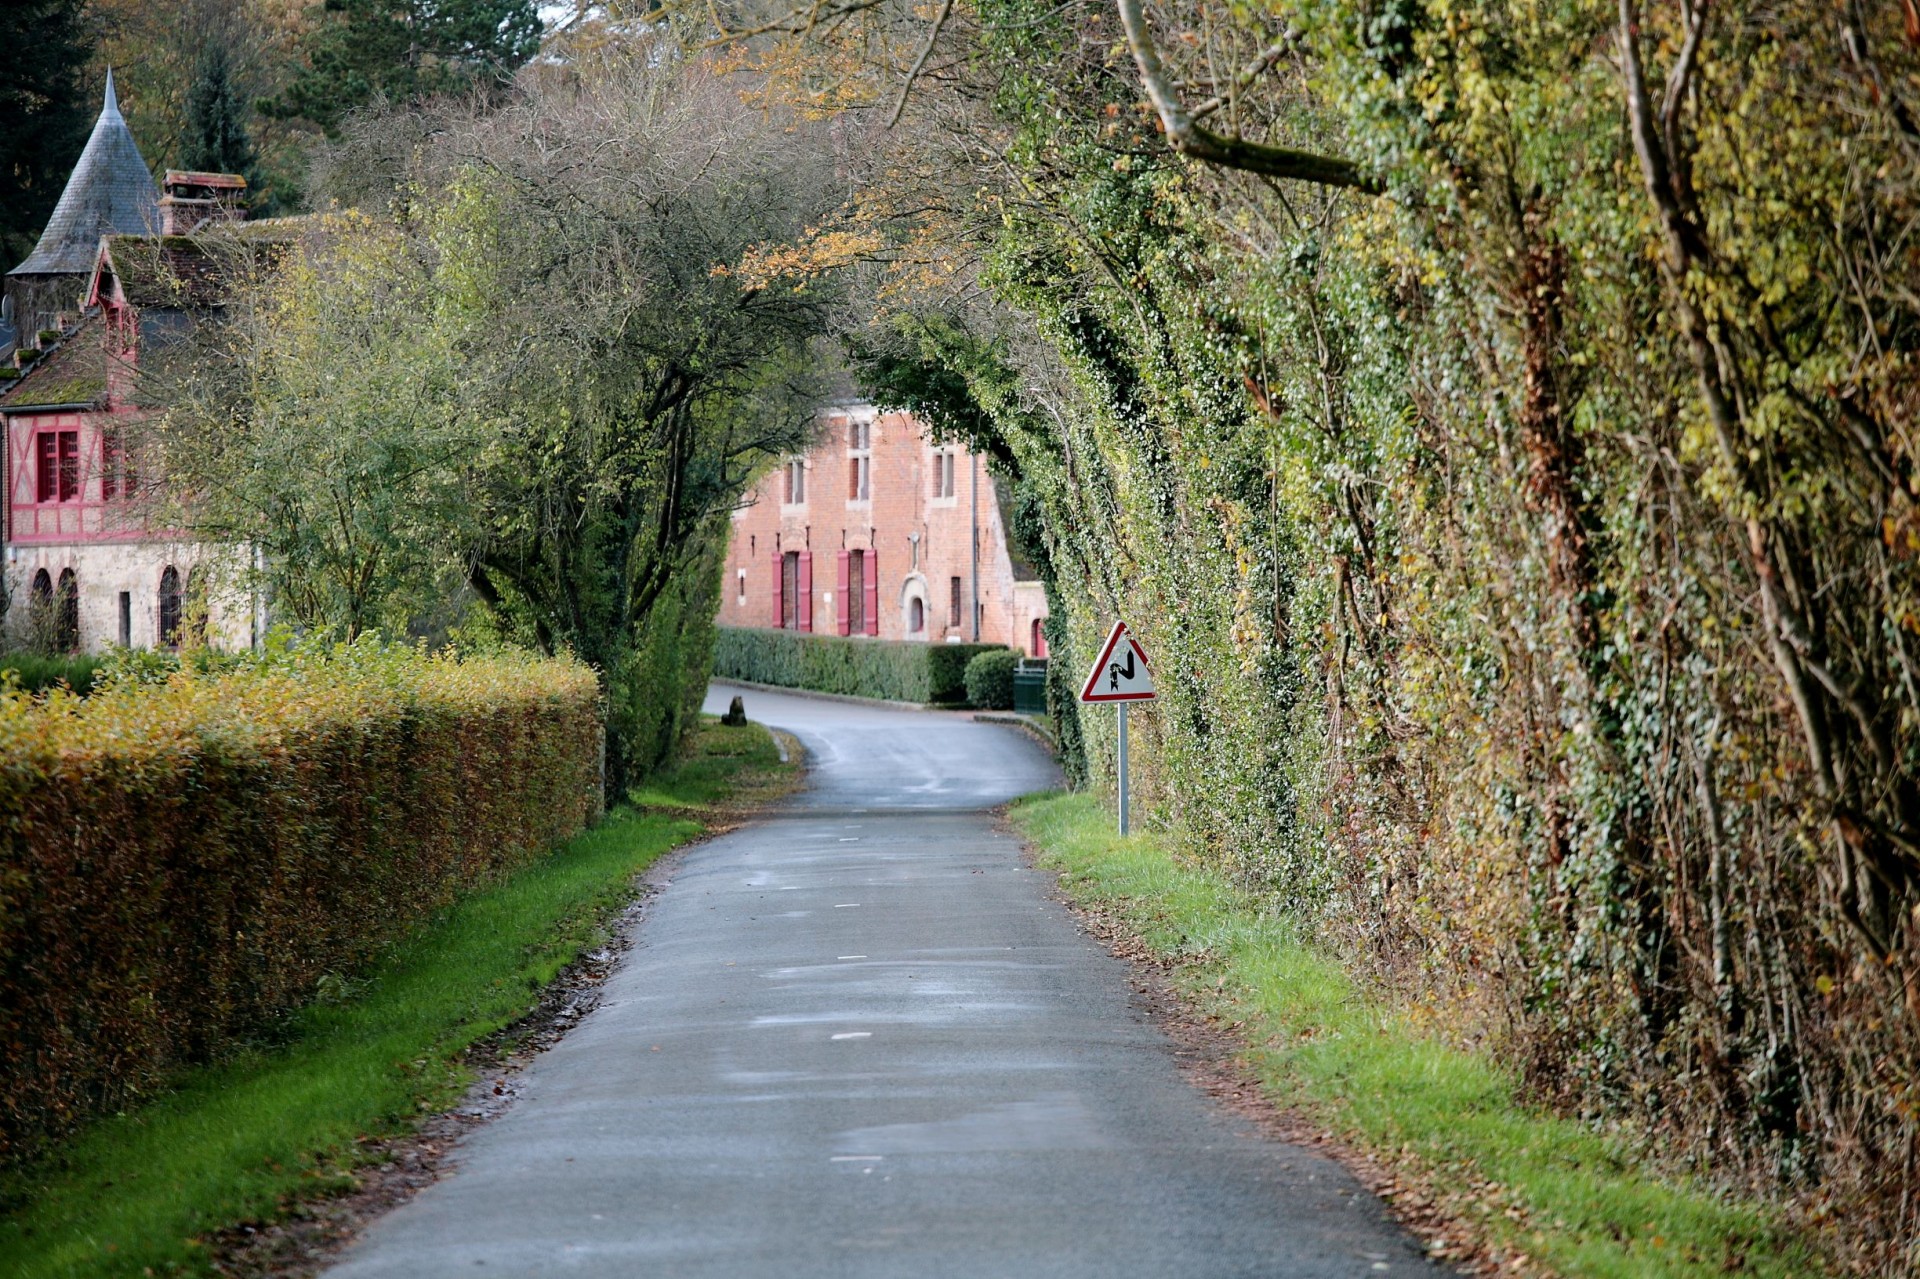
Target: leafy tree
402,50
47,110
545,379
216,138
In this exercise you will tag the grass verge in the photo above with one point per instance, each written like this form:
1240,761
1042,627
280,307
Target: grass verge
136,1194
1537,1192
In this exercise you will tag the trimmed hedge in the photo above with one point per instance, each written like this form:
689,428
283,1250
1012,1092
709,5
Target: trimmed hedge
990,679
897,670
185,860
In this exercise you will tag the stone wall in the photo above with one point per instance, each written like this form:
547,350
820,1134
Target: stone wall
104,571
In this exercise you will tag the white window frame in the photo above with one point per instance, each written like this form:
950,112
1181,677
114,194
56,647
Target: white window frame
946,484
860,459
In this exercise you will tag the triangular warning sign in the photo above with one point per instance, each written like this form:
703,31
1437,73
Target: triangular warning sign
1122,673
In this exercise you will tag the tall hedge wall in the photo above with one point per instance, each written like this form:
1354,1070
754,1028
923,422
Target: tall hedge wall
1530,558
185,860
898,670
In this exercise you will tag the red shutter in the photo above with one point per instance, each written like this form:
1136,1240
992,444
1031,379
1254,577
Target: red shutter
870,575
840,601
804,615
779,612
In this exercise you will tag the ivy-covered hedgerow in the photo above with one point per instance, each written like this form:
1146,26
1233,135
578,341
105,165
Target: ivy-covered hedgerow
1528,552
186,859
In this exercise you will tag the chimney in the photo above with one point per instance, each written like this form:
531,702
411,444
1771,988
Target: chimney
194,201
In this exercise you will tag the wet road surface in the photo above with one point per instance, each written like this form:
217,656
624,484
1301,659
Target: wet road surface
859,1038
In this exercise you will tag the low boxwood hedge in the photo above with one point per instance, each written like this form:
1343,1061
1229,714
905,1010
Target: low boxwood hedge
894,670
990,679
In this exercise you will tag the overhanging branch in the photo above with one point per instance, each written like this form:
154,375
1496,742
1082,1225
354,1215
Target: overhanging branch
1189,138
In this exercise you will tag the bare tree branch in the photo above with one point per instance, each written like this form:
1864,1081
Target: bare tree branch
919,63
1190,139
1257,68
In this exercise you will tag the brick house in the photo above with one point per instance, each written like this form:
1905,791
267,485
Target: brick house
881,531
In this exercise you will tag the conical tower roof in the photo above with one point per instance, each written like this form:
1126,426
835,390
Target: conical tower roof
109,192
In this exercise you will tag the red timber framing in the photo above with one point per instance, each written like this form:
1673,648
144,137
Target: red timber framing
62,484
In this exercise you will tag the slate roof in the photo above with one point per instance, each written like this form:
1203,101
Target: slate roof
109,191
74,373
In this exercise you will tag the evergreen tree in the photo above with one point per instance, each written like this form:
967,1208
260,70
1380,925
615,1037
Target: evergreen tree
215,139
405,49
45,111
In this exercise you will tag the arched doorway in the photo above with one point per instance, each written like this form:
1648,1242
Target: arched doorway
40,620
66,633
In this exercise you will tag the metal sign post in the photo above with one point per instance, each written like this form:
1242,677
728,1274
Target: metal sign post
1122,675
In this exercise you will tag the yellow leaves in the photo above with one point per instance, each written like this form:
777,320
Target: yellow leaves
268,704
819,253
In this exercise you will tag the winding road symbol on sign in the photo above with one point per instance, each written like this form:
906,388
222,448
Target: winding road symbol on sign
1123,673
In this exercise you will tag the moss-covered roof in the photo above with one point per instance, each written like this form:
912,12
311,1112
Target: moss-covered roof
74,373
172,271
195,272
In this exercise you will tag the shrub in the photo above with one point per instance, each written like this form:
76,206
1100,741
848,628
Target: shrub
990,679
898,670
190,858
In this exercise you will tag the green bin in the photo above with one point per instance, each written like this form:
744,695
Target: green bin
1030,687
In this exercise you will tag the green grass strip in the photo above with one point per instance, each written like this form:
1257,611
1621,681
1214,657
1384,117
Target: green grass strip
132,1195
1529,1183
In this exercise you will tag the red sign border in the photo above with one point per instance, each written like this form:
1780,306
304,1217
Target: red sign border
1113,641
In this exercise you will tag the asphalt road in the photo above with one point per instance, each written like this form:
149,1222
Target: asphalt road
860,1038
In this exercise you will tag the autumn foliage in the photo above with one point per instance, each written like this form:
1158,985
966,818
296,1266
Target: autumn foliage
186,860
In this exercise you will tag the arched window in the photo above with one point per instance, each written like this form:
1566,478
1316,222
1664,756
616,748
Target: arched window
916,616
66,635
42,588
170,608
1039,646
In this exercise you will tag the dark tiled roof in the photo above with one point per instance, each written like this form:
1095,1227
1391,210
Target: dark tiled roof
110,190
171,271
199,271
75,373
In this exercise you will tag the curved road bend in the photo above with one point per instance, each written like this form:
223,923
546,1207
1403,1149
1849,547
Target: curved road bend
859,1038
